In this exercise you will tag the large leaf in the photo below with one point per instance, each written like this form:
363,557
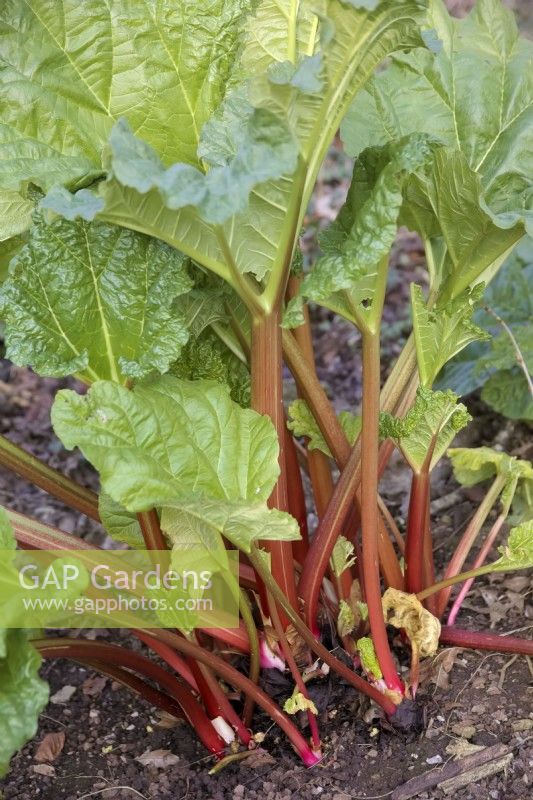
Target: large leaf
23,695
94,300
476,96
166,70
428,428
169,437
358,244
81,69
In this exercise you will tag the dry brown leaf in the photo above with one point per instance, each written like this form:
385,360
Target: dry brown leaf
44,769
158,758
50,747
405,611
259,758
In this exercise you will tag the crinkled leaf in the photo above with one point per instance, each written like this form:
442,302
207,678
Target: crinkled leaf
23,695
206,357
342,557
15,215
369,659
196,520
166,70
358,244
298,702
441,333
476,96
405,611
121,525
508,393
83,68
518,552
167,437
94,300
258,147
346,619
82,204
428,428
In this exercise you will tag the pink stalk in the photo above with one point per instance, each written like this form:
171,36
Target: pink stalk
469,537
479,561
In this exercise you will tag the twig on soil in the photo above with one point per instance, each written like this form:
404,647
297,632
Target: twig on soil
503,671
114,788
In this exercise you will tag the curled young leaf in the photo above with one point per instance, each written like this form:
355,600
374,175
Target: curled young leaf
356,247
346,621
343,556
442,332
298,702
518,552
369,659
427,429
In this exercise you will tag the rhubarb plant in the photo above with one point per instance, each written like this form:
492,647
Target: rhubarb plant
156,164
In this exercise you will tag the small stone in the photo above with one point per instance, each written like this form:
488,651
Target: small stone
465,731
434,760
520,725
238,791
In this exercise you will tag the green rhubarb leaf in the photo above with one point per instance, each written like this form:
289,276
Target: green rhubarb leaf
346,621
168,437
195,520
84,68
508,393
510,296
369,659
23,695
472,465
427,429
258,146
206,357
302,423
518,552
474,95
167,71
120,524
298,702
443,332
356,248
342,557
93,300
